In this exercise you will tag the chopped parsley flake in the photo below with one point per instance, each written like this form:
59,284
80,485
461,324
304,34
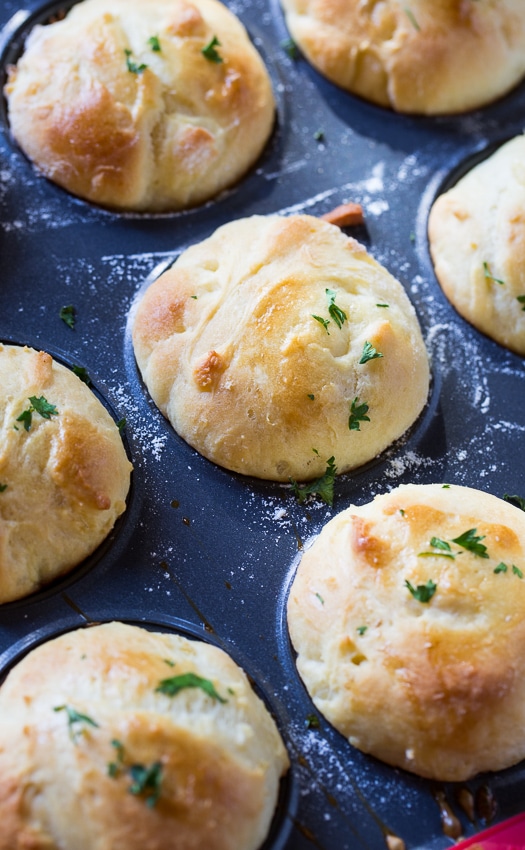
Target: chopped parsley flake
442,545
132,66
68,315
115,767
521,299
336,313
369,353
361,630
37,405
471,541
517,501
75,717
146,782
210,53
490,276
311,396
382,305
501,568
319,136
312,721
154,43
121,424
516,571
357,414
322,487
323,322
3,487
320,598
411,17
423,592
290,48
82,373
172,686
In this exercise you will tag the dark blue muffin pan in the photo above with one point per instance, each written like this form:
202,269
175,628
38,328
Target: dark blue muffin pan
210,553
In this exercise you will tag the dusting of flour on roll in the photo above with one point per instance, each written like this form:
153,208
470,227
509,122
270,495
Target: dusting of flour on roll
64,472
415,57
477,241
142,106
117,737
408,618
279,343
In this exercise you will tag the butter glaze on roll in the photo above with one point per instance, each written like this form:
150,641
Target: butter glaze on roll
424,56
64,479
83,723
436,687
118,104
231,347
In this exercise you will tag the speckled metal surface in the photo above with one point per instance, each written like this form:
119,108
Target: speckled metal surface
212,553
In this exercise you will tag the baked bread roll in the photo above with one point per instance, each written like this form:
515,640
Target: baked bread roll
416,57
408,618
64,472
118,103
278,343
477,242
117,737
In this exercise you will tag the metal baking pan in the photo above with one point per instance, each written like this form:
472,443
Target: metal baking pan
210,553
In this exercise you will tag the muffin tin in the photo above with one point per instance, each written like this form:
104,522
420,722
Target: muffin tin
209,553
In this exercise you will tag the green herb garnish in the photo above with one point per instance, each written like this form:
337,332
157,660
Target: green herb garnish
322,487
361,630
75,717
132,66
336,313
501,568
319,136
411,17
312,721
3,487
121,424
114,767
516,571
517,501
146,782
423,592
471,541
37,405
310,396
82,373
172,686
442,545
490,276
154,43
357,414
210,52
323,322
369,353
382,305
68,315
320,598
521,299
290,48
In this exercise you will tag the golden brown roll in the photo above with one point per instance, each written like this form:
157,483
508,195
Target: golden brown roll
143,106
277,343
416,56
117,738
477,241
64,472
408,618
